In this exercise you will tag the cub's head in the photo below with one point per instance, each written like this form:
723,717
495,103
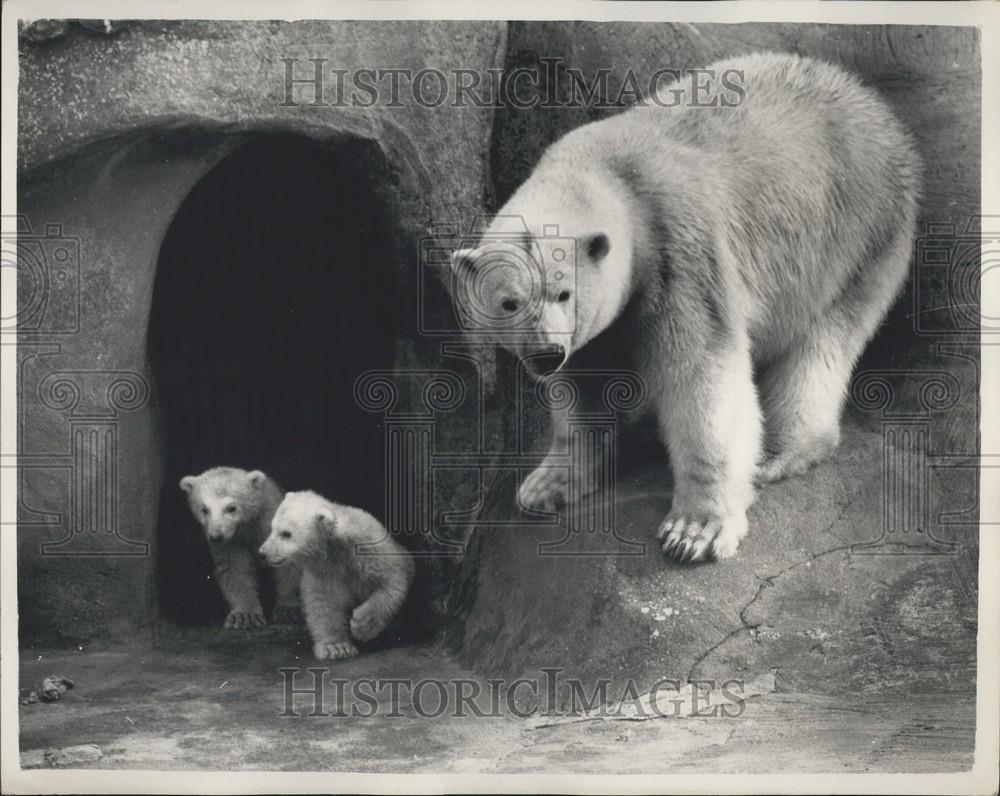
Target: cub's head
300,529
223,499
549,287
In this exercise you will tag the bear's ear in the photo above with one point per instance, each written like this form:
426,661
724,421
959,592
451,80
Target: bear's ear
597,246
462,258
187,483
256,478
326,521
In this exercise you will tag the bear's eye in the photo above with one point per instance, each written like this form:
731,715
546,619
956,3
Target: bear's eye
564,296
204,509
231,509
285,535
510,305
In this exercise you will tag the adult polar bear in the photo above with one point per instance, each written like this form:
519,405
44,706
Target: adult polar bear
726,244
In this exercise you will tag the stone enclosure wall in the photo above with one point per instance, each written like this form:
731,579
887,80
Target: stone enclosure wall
116,129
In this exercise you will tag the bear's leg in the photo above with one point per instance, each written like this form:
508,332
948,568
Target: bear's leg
327,604
370,618
710,420
803,391
547,488
802,394
236,574
287,608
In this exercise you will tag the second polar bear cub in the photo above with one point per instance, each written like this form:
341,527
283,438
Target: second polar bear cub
235,508
355,575
728,246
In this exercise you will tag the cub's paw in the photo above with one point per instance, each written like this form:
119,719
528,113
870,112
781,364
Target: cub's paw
545,489
697,538
366,623
334,650
238,620
288,615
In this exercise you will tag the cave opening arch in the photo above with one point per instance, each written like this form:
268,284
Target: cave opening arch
276,287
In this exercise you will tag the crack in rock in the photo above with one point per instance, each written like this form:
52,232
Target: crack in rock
766,581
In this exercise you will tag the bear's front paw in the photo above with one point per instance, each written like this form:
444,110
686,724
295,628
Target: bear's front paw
334,650
366,623
287,615
238,620
696,538
545,489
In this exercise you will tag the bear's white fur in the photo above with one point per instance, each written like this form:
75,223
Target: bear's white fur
355,575
235,508
719,245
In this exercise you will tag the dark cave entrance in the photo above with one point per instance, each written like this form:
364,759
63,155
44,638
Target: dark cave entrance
275,289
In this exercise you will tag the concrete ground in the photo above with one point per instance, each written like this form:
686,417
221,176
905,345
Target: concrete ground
205,703
858,662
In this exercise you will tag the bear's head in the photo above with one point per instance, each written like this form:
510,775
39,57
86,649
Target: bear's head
224,499
300,529
545,279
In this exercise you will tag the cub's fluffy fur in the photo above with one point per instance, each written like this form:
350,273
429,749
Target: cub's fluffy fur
235,508
714,244
355,575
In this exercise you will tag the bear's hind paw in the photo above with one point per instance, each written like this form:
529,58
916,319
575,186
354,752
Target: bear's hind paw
334,650
365,624
795,461
239,620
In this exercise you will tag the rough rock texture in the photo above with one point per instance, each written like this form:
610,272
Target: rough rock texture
117,129
803,598
799,599
114,132
203,703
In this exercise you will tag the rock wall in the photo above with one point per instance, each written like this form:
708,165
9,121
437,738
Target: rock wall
115,128
536,594
118,125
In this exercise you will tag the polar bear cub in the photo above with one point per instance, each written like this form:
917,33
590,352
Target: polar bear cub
355,575
740,254
235,508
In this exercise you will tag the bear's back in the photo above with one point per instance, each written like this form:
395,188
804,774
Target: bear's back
804,181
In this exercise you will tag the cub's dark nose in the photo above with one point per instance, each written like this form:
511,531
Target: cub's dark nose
546,363
215,538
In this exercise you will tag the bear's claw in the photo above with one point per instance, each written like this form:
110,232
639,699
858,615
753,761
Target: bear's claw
686,539
238,620
334,650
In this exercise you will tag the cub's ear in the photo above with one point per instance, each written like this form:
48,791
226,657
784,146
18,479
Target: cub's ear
187,483
326,521
256,478
462,258
597,246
